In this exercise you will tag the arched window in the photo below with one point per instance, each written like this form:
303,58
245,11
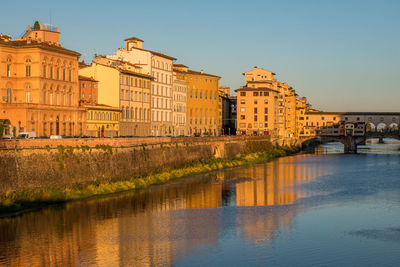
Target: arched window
44,94
44,69
51,69
8,67
28,67
28,94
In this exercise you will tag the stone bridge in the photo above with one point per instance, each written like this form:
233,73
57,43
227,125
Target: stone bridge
354,128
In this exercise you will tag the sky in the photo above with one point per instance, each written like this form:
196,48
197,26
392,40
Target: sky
343,55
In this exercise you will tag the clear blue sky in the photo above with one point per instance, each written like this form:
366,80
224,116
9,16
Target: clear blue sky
344,55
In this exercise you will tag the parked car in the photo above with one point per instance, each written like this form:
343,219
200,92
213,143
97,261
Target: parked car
55,137
27,135
8,137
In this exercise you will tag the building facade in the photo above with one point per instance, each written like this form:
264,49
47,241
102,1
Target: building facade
179,98
202,111
102,120
87,91
229,107
159,66
39,84
123,85
258,104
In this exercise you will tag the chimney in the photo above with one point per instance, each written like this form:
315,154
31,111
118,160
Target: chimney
58,29
29,28
202,71
42,26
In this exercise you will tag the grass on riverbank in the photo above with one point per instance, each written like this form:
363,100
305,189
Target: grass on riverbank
29,199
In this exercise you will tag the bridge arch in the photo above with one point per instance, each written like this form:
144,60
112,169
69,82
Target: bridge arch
393,126
370,127
381,127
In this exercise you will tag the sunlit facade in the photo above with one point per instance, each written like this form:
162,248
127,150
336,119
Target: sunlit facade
39,84
202,116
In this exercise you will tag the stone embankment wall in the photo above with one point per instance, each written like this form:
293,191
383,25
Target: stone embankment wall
27,164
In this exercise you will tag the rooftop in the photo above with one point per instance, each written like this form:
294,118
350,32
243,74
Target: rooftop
133,38
37,44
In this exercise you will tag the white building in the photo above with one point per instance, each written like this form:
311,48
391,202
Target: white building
159,66
179,93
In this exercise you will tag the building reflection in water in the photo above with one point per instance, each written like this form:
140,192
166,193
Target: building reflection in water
159,225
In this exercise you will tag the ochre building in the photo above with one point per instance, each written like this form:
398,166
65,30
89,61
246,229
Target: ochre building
202,116
39,89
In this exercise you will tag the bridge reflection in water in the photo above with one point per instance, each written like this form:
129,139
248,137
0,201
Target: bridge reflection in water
163,224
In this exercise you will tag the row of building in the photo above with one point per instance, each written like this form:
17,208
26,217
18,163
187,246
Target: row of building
135,92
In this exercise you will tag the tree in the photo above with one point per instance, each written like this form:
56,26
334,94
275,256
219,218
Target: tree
36,25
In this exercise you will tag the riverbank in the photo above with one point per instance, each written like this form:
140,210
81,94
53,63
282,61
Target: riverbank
12,203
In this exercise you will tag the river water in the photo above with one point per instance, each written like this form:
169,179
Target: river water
322,209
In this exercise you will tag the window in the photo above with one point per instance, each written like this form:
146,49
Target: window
255,118
28,70
44,70
242,93
266,125
255,102
8,70
265,110
9,95
242,117
255,93
266,93
44,96
265,118
242,109
242,101
255,110
28,97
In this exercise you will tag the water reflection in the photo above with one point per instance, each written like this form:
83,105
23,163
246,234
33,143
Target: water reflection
159,226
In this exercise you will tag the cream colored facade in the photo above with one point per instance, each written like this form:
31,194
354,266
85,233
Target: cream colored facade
159,66
123,85
202,101
39,90
102,120
179,93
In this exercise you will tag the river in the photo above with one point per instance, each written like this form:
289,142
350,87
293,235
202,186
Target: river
322,209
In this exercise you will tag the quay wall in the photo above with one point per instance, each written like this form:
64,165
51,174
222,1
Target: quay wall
43,163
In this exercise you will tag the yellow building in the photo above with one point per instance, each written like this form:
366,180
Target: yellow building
39,84
123,85
102,120
257,104
202,101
